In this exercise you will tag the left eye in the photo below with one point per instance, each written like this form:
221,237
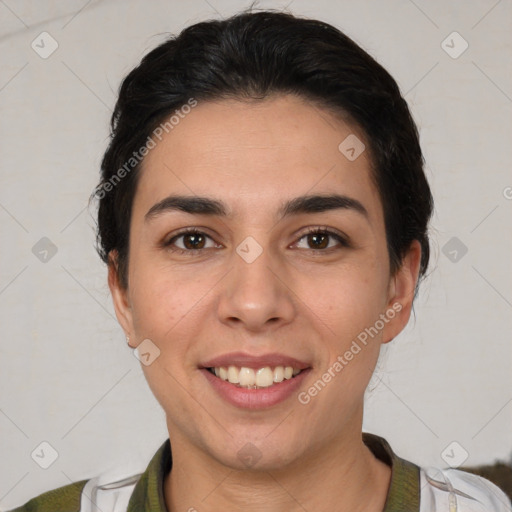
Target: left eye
319,239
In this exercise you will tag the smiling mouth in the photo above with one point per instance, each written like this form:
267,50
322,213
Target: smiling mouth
250,378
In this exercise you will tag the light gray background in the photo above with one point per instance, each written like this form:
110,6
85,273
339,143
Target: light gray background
66,374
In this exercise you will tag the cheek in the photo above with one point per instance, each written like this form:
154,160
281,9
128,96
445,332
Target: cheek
349,298
163,296
165,309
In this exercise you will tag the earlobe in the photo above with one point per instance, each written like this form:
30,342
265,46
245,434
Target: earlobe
401,292
119,294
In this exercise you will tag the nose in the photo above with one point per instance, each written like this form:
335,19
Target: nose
255,294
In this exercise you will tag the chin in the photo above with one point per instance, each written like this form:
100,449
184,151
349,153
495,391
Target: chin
257,452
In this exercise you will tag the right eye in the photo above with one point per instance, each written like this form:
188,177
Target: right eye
192,240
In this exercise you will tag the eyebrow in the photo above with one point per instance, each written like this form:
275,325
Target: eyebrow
302,204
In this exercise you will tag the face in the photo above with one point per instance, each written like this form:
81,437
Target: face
281,266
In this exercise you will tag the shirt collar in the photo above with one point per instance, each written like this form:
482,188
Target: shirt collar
404,488
403,494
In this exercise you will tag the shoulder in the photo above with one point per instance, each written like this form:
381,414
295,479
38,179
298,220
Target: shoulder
461,491
99,494
63,499
112,491
437,490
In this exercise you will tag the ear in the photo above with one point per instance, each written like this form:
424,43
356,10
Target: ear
119,296
401,293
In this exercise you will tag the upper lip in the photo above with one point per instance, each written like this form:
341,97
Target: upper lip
252,361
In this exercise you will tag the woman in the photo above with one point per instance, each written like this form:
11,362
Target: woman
263,212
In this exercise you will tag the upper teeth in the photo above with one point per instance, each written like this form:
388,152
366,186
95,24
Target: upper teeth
250,378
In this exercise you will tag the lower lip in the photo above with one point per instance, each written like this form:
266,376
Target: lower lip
255,398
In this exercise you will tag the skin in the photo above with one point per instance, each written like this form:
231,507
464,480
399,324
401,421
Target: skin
293,299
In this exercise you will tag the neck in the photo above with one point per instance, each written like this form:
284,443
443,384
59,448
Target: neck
343,476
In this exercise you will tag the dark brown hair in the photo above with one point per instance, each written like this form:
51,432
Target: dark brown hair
253,55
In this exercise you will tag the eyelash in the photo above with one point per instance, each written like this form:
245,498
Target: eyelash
343,241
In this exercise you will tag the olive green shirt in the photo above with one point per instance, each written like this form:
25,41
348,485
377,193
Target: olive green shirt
148,496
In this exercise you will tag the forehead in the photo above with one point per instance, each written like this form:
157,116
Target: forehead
256,153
